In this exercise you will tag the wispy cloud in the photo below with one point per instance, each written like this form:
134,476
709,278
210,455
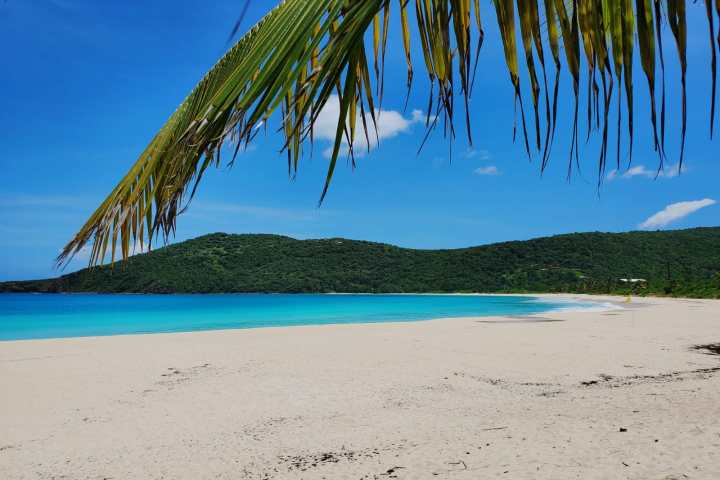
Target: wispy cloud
438,162
390,123
675,212
289,214
83,255
671,171
489,170
20,201
479,154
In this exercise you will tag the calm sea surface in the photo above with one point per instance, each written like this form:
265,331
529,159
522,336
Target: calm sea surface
27,316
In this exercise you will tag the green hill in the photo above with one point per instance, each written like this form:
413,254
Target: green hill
682,263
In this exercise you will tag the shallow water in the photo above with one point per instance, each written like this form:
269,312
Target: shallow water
28,316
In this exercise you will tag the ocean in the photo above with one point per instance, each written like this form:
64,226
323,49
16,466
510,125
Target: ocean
34,316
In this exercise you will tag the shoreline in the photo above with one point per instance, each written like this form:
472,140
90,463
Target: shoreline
499,294
605,305
613,394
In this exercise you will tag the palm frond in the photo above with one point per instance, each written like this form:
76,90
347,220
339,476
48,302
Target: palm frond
304,51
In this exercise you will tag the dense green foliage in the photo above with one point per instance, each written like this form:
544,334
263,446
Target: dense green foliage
682,263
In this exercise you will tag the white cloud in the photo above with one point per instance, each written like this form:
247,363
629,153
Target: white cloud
390,123
489,170
639,171
671,171
674,212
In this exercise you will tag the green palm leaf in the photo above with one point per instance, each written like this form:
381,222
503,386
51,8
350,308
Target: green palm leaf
304,51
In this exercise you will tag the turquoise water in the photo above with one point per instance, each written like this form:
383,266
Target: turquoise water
28,316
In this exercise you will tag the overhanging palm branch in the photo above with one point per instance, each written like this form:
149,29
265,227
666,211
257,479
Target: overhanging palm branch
304,51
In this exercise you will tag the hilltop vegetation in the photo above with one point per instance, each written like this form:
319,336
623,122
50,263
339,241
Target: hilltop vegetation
681,263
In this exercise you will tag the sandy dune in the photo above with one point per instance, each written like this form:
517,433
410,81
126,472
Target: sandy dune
616,394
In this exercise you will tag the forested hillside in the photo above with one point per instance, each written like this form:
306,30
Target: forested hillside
682,263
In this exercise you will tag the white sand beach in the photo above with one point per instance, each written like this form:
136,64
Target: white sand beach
589,395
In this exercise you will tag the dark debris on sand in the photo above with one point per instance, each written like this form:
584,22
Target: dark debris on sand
710,348
307,462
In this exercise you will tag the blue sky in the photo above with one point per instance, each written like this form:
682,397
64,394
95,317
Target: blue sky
87,84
